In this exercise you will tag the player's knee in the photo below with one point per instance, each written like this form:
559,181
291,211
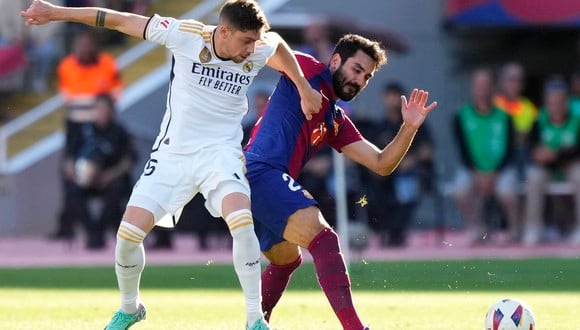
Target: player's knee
240,223
139,217
130,233
283,254
304,225
290,264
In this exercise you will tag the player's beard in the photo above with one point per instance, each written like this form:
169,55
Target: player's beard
342,87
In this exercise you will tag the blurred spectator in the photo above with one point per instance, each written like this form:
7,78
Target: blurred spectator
392,199
316,41
99,165
575,93
73,29
11,27
485,137
555,156
258,103
522,111
83,75
12,51
43,47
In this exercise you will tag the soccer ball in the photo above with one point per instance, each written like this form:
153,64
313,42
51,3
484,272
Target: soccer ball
510,314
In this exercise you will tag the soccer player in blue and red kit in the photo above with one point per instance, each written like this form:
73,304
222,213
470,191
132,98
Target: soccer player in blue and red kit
286,216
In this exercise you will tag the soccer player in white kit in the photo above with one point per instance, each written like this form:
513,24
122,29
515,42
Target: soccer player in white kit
198,148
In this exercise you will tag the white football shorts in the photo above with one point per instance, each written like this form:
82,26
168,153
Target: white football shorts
169,181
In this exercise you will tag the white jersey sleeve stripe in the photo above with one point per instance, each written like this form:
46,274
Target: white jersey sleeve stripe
190,30
194,24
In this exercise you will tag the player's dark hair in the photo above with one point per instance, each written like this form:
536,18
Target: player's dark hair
244,15
349,44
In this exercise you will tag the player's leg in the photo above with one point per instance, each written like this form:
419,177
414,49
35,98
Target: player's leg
275,196
245,249
227,193
130,254
284,257
283,210
129,264
308,228
162,189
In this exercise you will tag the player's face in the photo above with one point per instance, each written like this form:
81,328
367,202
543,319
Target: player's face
351,76
240,44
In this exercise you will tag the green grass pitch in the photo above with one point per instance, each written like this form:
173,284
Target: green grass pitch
388,295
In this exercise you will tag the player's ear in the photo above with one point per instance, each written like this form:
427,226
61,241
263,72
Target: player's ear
224,30
335,62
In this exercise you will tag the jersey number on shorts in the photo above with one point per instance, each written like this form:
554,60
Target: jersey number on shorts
292,185
150,167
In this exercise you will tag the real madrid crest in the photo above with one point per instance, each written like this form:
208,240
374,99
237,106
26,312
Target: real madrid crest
204,55
248,66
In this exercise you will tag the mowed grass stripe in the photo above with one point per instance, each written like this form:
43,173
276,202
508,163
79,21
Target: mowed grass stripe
459,275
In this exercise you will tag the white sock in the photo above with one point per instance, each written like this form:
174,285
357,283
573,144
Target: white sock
129,264
246,255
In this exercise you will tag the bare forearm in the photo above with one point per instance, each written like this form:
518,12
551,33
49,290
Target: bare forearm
390,157
127,23
284,60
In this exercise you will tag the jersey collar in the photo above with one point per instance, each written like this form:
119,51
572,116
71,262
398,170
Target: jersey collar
209,37
327,76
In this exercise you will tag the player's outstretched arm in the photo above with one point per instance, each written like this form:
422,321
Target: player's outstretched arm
284,60
384,162
41,12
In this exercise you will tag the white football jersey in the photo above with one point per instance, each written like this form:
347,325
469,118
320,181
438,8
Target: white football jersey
207,99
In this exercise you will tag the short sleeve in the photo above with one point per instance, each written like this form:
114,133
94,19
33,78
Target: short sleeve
267,45
347,134
171,32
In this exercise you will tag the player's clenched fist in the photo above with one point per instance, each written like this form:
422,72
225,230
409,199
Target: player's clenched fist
310,101
40,12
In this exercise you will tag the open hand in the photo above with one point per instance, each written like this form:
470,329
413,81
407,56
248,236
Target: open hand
39,13
414,112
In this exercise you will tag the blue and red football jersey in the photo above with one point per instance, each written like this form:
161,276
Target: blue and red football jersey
284,139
